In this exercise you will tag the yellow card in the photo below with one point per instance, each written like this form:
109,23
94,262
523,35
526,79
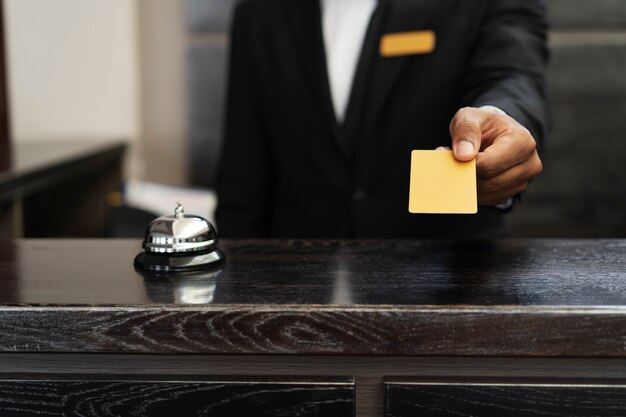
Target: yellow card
441,184
407,43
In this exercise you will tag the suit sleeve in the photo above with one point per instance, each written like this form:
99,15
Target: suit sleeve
244,179
507,68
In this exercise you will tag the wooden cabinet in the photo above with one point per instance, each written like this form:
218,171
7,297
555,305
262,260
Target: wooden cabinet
406,397
59,188
155,396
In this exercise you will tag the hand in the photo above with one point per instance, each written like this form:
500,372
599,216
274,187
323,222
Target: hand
508,157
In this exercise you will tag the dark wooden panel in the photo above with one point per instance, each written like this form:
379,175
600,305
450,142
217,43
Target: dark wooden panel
315,366
318,330
368,371
338,274
148,396
30,399
541,297
511,399
59,189
587,14
78,206
40,166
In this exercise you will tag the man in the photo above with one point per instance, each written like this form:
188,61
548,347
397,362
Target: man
304,158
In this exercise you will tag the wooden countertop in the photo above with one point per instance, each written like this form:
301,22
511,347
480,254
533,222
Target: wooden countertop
492,298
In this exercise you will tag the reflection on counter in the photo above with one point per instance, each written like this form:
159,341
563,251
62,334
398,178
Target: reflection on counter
182,288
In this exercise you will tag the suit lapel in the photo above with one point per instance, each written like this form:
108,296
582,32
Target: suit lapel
359,93
306,29
400,16
373,152
375,76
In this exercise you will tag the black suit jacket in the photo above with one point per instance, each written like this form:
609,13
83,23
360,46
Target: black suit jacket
289,170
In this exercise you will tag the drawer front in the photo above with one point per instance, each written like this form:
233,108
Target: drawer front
406,398
171,397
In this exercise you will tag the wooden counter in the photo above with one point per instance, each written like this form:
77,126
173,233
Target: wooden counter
69,181
432,327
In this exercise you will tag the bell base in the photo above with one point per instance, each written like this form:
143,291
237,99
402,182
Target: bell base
212,259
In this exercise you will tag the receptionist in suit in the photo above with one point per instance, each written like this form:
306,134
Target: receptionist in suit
321,121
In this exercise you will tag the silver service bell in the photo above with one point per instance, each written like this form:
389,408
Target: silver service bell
179,243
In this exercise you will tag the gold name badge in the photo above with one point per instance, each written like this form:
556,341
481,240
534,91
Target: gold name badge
407,43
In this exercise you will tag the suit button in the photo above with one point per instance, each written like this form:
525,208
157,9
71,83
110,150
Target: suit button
360,196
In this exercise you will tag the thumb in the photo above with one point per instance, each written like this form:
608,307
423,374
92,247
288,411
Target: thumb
466,133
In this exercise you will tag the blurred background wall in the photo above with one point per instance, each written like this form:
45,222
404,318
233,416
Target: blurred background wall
153,72
93,70
72,69
582,191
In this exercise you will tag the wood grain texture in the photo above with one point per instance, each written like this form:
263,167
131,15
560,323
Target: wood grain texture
512,399
524,273
148,396
496,298
367,371
30,398
293,330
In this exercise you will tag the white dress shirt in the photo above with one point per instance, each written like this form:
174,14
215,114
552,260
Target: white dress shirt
344,24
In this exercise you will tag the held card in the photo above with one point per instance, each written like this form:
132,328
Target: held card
441,184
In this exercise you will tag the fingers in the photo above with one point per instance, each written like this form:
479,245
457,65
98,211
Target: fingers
498,189
466,133
501,197
508,157
512,146
504,142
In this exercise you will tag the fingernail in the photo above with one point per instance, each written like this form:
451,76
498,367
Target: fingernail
465,148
